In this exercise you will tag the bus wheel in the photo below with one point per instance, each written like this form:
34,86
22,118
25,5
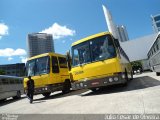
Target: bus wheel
126,78
2,100
94,89
18,96
131,76
158,73
46,94
66,86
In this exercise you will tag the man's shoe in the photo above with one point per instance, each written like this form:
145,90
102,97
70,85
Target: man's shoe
31,101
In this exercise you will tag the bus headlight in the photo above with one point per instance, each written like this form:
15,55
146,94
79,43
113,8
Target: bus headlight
81,84
77,85
105,82
123,76
115,78
110,80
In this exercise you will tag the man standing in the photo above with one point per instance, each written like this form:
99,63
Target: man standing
30,88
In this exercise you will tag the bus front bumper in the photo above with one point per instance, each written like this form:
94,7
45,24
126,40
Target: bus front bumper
47,88
40,90
99,82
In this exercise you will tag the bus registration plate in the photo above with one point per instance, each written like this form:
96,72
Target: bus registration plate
95,83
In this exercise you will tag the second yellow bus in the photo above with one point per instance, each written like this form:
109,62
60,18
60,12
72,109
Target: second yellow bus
97,61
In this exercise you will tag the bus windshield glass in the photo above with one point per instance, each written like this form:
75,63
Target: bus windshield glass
96,49
37,66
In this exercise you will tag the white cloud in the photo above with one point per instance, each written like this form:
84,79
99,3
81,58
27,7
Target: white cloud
8,52
10,58
3,30
23,59
59,31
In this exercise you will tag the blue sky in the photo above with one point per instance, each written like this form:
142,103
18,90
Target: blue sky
72,20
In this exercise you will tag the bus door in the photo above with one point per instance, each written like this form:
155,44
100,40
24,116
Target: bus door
63,68
42,70
55,71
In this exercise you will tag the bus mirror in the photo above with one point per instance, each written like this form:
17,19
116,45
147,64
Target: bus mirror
117,42
68,57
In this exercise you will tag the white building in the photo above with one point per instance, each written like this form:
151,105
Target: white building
39,43
137,49
156,23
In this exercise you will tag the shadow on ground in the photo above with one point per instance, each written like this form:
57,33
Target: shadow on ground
135,84
8,101
60,95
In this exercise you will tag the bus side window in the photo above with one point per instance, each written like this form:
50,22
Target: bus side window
21,81
55,67
17,81
12,81
62,62
4,81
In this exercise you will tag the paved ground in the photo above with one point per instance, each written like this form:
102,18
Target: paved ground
142,95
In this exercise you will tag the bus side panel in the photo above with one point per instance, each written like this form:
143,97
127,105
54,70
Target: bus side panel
5,95
54,78
10,90
64,73
6,92
123,64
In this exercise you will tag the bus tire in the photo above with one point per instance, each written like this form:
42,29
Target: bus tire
94,89
47,94
126,79
18,96
131,76
158,73
2,100
66,87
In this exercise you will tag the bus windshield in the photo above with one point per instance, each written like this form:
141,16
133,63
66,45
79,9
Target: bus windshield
96,49
37,66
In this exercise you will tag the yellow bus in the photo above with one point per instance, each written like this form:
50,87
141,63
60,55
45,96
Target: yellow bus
98,61
49,72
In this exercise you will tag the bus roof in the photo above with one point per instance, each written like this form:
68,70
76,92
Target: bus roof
90,37
46,54
13,77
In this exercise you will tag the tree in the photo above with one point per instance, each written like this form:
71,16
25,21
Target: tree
2,72
136,64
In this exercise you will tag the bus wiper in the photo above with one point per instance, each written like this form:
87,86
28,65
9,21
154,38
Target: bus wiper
82,64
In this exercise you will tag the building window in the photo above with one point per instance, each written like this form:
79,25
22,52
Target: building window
8,72
157,18
158,24
157,47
